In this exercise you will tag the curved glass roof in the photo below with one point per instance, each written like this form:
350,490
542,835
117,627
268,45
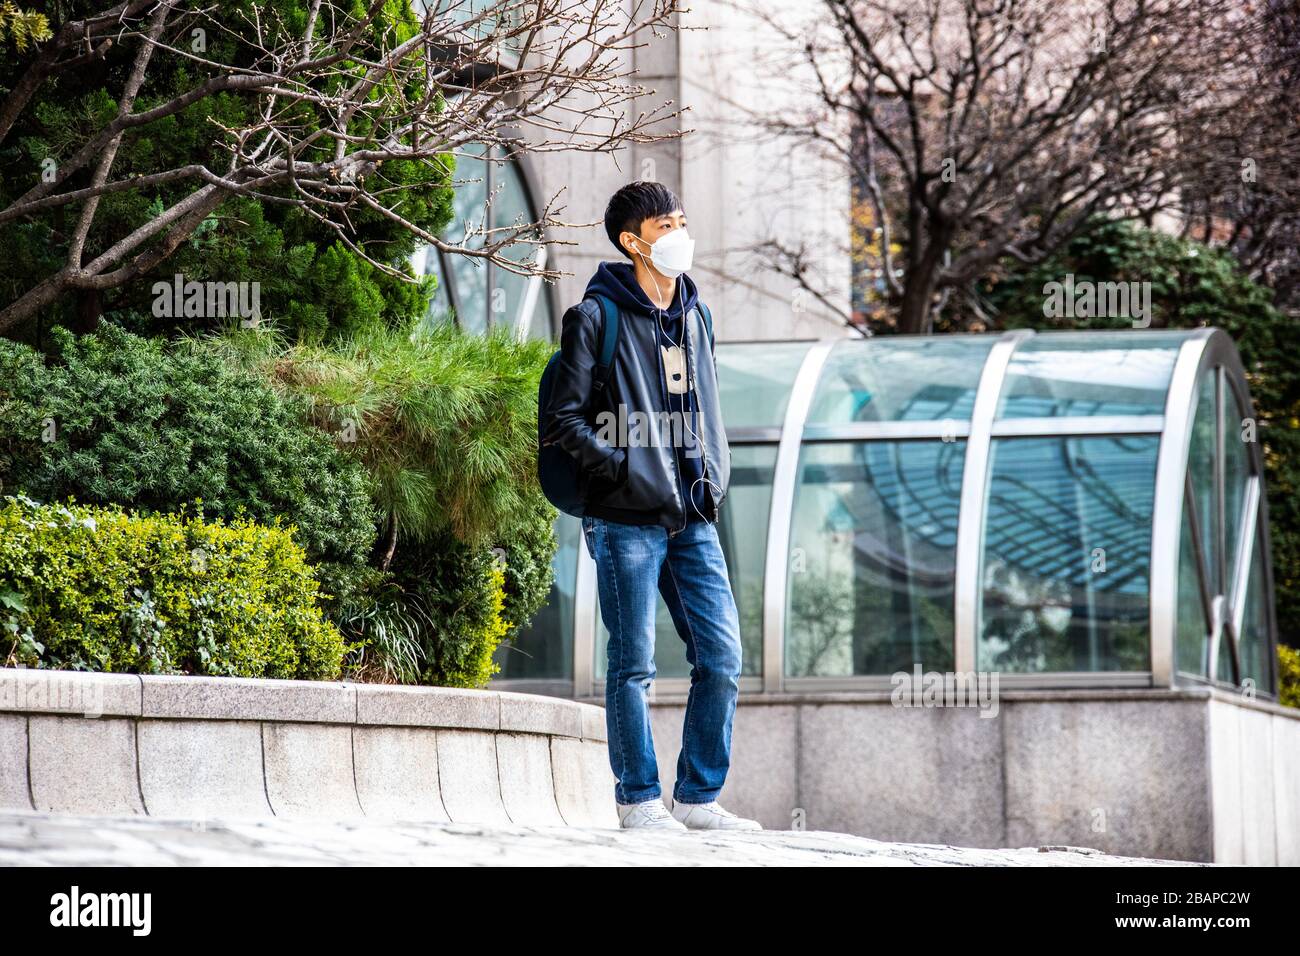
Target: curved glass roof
1065,508
1090,373
922,378
754,381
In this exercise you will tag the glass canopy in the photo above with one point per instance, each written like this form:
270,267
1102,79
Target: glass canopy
1069,509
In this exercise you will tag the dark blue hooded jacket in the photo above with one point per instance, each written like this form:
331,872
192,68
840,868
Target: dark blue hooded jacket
618,281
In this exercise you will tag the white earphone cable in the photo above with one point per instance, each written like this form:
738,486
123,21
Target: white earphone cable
686,424
687,400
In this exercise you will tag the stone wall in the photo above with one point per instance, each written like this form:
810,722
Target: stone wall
1197,775
196,747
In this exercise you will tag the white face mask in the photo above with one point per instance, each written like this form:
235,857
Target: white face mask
672,252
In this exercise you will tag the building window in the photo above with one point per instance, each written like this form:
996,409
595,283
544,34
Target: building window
475,294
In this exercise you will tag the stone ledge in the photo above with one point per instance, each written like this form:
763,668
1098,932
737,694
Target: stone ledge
248,698
399,705
89,694
172,697
169,746
530,714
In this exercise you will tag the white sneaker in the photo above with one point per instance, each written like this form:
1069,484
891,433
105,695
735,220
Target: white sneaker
711,816
648,813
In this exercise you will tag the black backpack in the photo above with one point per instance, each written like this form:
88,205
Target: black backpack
557,470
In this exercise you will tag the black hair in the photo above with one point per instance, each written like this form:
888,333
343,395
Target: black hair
633,205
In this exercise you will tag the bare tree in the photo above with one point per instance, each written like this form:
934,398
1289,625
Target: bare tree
974,130
333,101
1243,184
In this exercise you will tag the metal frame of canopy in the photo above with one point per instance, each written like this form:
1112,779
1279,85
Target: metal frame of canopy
1199,353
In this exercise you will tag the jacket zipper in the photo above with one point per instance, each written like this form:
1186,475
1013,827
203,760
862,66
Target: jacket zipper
663,391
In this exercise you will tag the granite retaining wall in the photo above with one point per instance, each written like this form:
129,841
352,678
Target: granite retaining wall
196,747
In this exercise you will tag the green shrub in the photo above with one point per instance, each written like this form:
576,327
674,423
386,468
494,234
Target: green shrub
102,589
456,595
385,631
444,420
1288,676
123,420
528,552
438,616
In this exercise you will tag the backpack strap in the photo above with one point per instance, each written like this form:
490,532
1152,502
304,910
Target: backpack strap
609,329
708,321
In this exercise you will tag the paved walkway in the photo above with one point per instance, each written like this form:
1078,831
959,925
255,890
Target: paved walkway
33,839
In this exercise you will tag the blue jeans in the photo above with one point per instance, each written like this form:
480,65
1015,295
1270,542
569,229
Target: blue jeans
690,571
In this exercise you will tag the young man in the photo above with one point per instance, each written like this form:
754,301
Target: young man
655,467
